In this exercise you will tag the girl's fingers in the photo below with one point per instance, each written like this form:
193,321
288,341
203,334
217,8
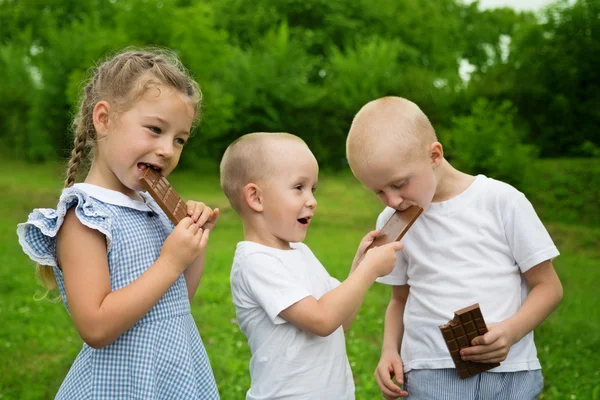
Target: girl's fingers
186,222
204,216
204,238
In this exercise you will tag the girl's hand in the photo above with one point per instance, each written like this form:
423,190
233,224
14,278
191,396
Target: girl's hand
184,244
491,347
202,215
389,367
362,246
382,259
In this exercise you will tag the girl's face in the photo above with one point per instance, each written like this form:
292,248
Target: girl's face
151,134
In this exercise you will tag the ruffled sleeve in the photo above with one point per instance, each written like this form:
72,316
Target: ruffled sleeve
37,236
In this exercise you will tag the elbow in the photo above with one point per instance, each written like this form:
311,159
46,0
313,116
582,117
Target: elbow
559,293
323,328
95,336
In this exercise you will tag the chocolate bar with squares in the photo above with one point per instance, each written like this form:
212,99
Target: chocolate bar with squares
458,333
163,193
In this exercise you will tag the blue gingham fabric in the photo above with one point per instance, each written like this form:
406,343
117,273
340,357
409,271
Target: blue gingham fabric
162,355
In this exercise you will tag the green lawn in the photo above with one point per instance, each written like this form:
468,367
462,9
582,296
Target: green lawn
38,342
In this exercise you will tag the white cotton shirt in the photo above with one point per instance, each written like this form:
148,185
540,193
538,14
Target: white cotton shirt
470,249
287,362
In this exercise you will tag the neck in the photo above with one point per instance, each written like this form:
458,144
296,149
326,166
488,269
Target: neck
450,182
104,177
255,231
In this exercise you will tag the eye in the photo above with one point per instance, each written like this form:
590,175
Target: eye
180,141
314,189
154,129
400,186
298,187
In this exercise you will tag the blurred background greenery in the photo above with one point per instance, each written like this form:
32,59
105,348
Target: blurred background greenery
513,95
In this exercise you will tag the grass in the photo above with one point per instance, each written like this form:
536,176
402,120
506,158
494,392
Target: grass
38,342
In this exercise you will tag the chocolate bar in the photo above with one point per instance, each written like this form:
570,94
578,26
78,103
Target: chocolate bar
161,190
398,224
458,333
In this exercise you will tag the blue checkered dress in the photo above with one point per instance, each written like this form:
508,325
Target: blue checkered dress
162,355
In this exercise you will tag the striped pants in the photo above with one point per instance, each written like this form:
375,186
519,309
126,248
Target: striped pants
444,384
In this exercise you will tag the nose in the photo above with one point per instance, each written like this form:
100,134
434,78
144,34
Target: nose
165,148
393,200
311,202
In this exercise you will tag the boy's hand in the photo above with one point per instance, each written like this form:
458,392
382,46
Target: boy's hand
364,243
490,347
184,244
202,215
390,366
382,259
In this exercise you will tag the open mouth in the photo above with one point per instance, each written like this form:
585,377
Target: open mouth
143,166
304,221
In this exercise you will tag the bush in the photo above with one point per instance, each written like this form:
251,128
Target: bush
488,142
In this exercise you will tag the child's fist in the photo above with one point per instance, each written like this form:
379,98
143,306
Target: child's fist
202,215
382,259
184,244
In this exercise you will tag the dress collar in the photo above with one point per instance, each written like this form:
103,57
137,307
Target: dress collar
116,198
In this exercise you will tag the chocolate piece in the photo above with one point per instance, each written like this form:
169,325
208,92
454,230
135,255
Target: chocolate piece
164,194
398,224
458,333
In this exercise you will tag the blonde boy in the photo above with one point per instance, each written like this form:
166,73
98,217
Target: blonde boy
292,311
478,241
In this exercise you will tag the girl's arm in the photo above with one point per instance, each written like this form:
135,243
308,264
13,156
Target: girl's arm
205,218
100,315
193,274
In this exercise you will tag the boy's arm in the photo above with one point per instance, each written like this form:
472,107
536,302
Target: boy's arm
322,317
348,322
390,364
544,295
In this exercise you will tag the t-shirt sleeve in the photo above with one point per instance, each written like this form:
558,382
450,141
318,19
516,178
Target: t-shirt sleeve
271,285
398,275
527,237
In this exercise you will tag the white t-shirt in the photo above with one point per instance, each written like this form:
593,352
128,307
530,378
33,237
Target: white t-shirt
470,249
287,362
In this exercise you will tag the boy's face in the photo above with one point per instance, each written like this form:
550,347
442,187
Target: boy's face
288,196
400,184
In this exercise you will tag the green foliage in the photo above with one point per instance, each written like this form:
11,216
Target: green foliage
307,66
487,142
568,189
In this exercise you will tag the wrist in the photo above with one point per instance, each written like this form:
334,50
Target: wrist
169,265
390,349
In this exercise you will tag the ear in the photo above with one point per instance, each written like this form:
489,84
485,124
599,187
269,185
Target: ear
436,154
100,116
252,196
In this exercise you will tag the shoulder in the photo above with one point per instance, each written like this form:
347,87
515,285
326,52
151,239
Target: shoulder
498,195
77,210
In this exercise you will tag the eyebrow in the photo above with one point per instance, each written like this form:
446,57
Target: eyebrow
306,178
164,122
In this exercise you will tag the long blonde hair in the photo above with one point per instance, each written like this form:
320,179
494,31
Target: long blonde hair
118,81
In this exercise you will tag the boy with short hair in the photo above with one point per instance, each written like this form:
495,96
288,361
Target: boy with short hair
290,309
478,241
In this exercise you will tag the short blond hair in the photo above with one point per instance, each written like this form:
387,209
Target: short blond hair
247,160
388,121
